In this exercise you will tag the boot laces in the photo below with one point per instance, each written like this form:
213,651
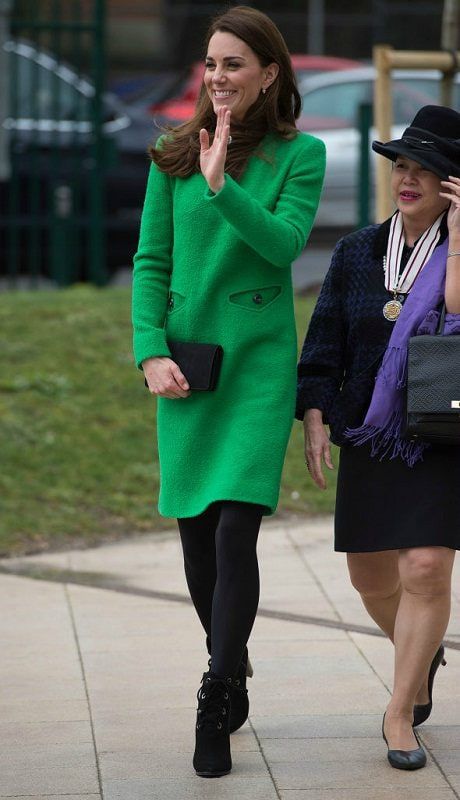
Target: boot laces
213,703
239,682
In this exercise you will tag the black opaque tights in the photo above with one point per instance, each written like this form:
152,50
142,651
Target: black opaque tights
222,575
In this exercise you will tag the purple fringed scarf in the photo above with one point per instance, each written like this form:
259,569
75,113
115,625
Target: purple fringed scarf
383,421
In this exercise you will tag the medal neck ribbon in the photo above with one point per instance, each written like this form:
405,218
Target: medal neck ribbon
422,252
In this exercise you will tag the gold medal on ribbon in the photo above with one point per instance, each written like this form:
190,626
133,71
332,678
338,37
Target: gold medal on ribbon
400,281
392,310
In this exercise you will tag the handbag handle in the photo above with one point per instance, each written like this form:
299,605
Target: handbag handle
442,320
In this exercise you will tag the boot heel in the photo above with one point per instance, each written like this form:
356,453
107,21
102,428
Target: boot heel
444,662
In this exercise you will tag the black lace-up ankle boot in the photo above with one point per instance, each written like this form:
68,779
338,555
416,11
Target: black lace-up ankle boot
212,757
239,700
239,695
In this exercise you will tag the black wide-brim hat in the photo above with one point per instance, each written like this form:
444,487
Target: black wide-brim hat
432,139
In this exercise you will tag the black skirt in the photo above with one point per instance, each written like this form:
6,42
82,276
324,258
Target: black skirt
386,505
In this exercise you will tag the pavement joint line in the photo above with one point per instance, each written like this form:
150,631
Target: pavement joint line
301,555
106,582
368,662
346,627
267,765
325,594
435,761
85,684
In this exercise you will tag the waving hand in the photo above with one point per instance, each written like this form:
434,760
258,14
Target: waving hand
212,157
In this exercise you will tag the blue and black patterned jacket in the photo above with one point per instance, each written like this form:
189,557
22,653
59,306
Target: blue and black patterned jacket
348,333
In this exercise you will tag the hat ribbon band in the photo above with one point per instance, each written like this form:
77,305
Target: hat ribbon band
420,144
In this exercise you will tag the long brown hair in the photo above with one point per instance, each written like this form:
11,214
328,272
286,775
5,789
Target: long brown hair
276,111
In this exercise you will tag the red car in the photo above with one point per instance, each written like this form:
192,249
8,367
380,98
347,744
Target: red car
310,65
181,108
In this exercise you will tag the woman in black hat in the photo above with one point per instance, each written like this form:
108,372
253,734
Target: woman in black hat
398,503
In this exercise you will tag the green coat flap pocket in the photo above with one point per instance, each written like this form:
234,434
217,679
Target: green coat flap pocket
175,301
256,299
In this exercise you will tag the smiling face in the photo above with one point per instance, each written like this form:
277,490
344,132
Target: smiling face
415,191
234,76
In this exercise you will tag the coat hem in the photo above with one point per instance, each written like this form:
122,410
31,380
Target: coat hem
269,507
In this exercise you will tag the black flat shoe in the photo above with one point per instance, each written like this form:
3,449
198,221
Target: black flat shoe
422,712
405,759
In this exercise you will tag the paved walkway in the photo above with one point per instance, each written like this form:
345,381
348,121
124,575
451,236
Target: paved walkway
101,657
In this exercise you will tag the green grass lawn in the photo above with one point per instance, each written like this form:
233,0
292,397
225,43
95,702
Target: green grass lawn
77,438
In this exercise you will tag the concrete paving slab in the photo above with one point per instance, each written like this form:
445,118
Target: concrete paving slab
44,710
328,658
310,751
127,765
445,712
317,697
53,755
355,775
228,787
271,631
443,737
340,726
44,702
299,697
300,605
269,650
454,782
450,761
39,733
74,777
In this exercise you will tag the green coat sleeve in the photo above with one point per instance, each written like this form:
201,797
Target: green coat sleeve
277,236
152,269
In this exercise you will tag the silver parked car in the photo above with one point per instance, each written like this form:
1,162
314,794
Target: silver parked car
330,103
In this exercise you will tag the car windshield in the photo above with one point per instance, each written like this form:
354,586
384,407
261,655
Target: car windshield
336,105
44,91
432,90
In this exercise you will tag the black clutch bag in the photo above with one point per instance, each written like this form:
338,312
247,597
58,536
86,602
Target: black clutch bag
433,387
200,363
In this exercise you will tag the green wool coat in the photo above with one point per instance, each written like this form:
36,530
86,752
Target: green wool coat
216,268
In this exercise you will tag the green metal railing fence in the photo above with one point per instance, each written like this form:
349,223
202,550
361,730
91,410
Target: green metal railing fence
52,216
364,169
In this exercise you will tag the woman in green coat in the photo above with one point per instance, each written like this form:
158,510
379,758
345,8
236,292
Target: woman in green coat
230,202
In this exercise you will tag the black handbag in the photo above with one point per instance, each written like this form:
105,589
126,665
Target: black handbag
433,387
200,363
